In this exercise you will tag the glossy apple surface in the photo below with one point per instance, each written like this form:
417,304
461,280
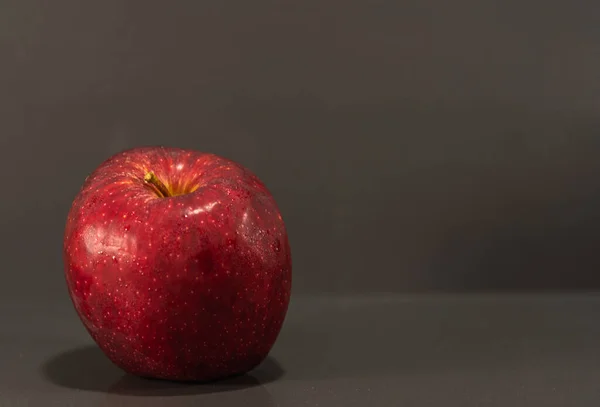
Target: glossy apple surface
178,264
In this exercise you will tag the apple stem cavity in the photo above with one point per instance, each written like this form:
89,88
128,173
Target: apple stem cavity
157,185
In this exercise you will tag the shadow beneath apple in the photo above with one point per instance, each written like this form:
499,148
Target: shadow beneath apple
87,368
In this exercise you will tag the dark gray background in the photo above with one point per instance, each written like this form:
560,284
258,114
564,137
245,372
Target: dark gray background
413,146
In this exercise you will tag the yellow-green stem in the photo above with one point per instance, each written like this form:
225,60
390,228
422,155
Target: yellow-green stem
151,179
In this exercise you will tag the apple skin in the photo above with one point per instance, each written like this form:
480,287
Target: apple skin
190,287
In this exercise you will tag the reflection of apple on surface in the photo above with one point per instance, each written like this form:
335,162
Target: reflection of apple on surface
178,264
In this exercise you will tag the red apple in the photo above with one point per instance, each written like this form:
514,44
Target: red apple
178,264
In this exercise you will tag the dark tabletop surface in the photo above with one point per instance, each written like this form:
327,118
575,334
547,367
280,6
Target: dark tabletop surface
443,350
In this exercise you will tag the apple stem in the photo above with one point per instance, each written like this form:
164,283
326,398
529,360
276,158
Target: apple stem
151,179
